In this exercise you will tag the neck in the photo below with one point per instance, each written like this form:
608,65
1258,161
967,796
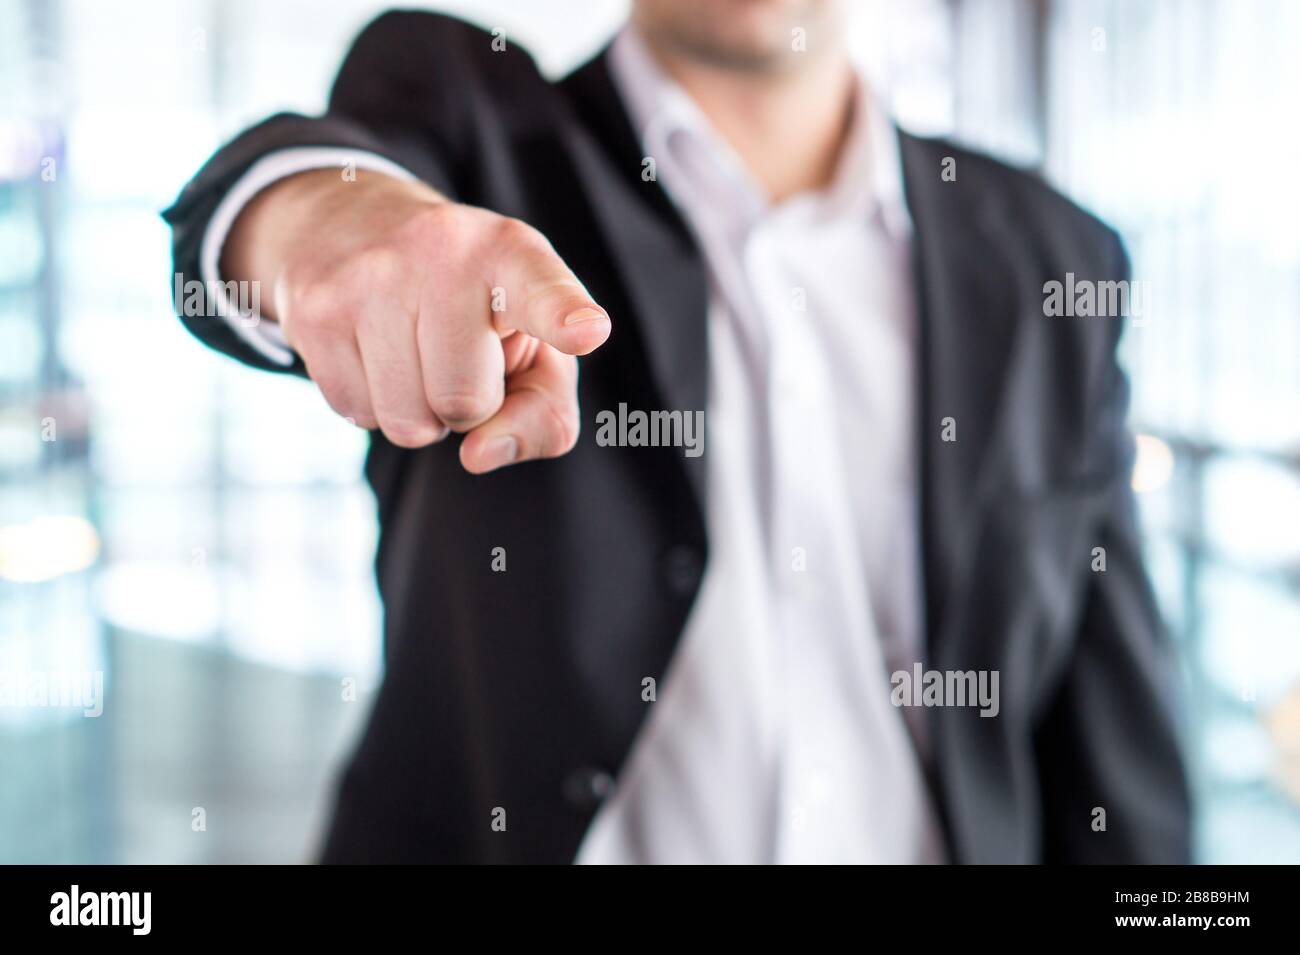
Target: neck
787,126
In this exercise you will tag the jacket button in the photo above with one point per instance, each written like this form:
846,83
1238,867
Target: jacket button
586,788
682,568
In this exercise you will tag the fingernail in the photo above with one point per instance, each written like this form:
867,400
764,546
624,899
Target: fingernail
585,315
499,452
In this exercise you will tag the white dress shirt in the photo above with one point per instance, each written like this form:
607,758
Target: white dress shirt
773,738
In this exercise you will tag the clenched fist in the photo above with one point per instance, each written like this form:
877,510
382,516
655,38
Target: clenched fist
420,316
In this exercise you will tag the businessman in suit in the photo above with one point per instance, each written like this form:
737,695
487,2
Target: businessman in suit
607,643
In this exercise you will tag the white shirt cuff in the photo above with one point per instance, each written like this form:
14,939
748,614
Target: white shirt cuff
266,338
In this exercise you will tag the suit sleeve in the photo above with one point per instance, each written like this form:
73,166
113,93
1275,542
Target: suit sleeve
1110,740
401,94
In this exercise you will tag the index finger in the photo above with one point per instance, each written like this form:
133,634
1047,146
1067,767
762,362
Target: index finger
545,299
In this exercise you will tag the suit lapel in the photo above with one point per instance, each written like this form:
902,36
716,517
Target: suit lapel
968,303
657,260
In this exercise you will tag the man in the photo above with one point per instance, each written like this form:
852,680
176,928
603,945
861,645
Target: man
611,637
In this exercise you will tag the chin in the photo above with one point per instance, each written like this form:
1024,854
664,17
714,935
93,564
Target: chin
754,34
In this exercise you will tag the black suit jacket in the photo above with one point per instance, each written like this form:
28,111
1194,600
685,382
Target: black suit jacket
521,690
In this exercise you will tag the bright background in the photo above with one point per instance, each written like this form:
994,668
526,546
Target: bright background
198,531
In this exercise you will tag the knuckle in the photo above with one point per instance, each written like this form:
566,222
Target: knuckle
563,425
361,417
568,429
432,226
409,433
460,408
315,304
379,266
332,299
351,410
516,233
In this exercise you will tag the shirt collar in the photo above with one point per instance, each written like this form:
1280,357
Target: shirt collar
694,160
